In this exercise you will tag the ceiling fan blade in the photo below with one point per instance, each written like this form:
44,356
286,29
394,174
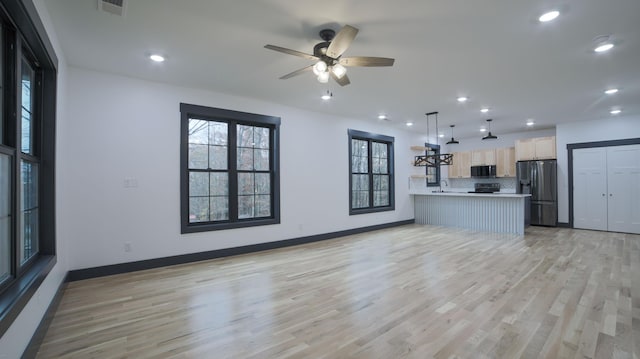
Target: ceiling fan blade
342,81
297,72
366,61
341,41
291,52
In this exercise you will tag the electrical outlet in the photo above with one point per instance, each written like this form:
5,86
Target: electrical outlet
127,246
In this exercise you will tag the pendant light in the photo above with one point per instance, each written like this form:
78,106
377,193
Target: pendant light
433,160
453,141
489,136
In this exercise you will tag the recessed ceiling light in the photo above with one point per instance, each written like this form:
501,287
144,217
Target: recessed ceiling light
611,91
604,47
549,16
327,96
382,117
483,130
441,135
484,110
409,123
530,123
157,58
615,111
462,99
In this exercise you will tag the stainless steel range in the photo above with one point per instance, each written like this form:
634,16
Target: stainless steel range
486,188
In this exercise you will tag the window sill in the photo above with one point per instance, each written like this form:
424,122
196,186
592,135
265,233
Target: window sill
18,294
195,228
371,210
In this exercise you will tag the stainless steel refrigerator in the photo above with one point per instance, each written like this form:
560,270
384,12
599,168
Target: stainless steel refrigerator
539,178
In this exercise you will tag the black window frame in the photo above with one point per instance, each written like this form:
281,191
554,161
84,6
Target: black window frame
432,149
370,138
24,36
232,118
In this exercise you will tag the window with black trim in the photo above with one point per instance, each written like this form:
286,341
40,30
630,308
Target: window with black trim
432,172
371,181
229,169
27,157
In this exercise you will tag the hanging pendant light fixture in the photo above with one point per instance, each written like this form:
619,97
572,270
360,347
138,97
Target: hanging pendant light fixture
489,136
442,159
453,141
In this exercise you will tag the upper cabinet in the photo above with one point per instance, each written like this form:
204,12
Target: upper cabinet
540,148
483,157
461,167
506,162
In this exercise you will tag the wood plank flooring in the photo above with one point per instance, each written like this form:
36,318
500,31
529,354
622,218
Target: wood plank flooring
407,292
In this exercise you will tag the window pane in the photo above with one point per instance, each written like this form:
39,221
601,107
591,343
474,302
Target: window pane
261,137
263,183
380,165
380,150
263,206
29,232
198,157
27,108
218,157
360,199
198,209
245,136
246,184
261,160
246,207
218,133
198,184
219,208
380,198
5,217
219,184
198,131
245,159
360,182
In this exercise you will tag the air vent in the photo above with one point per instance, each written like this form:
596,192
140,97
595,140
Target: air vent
115,7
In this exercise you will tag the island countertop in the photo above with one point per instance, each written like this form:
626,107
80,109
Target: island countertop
467,194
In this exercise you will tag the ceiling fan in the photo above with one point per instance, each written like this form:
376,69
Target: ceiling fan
328,56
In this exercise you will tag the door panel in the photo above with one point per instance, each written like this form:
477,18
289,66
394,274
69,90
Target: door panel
590,188
544,213
623,172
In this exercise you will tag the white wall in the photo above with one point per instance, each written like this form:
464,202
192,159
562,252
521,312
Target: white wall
17,337
607,129
120,127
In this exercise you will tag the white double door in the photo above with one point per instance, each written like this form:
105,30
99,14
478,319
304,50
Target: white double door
606,188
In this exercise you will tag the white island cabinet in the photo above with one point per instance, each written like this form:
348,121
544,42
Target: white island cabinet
489,212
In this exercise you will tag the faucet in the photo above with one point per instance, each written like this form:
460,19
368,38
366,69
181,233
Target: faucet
446,184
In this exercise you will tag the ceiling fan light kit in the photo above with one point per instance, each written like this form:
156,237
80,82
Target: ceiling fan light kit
328,57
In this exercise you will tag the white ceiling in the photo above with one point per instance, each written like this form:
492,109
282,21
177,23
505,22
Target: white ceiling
495,52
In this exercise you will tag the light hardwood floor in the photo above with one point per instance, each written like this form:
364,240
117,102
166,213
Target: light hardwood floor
413,291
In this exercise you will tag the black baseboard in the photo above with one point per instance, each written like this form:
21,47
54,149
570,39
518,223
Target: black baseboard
95,272
37,338
564,225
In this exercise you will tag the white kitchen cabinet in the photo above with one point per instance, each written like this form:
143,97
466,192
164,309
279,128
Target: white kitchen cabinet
606,188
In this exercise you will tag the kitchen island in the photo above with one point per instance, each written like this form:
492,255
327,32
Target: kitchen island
489,212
